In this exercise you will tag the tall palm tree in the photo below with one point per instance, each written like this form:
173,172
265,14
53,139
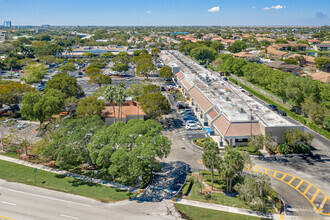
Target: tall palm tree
121,98
210,160
110,95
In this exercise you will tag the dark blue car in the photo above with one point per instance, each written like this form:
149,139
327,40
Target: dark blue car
273,107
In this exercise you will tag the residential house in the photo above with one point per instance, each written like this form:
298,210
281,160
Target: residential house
321,76
321,47
286,67
313,41
272,52
307,60
243,55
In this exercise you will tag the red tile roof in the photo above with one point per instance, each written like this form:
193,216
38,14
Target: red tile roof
186,84
228,129
180,75
213,113
129,108
200,99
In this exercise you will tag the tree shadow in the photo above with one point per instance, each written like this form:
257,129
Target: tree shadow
78,182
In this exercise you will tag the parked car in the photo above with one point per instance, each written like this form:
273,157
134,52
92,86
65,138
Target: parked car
195,122
193,127
186,118
272,107
162,89
281,112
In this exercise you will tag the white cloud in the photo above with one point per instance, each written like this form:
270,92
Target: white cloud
214,9
253,6
148,12
275,7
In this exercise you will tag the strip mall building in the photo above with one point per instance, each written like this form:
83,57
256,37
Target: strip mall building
231,114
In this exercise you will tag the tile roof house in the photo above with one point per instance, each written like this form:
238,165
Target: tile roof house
272,52
309,60
129,110
243,55
286,67
321,76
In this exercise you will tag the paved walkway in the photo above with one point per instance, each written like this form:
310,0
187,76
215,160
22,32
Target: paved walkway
66,173
227,209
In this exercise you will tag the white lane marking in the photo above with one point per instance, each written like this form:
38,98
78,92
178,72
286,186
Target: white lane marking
8,203
68,216
46,197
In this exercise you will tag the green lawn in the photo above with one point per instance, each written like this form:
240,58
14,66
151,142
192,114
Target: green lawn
23,174
250,150
192,212
221,199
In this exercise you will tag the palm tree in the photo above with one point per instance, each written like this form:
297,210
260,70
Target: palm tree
110,95
210,159
121,98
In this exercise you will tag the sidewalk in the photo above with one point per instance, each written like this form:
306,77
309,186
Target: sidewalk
69,174
228,209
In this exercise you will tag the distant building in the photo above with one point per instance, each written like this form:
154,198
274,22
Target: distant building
321,47
129,110
7,24
243,55
2,36
79,51
286,67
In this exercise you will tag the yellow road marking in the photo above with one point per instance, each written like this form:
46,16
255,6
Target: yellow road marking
282,217
316,193
6,218
293,178
319,210
306,190
299,184
200,161
323,203
284,176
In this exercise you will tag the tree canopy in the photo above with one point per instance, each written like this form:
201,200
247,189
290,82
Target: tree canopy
33,73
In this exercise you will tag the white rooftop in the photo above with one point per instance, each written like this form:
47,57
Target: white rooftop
226,97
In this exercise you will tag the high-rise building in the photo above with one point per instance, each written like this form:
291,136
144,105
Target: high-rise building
7,24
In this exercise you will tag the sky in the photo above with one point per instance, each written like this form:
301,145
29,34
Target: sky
166,12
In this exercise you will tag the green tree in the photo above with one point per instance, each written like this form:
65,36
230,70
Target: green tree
111,96
281,41
313,110
120,67
132,149
13,92
69,143
65,84
33,73
88,54
50,59
41,107
107,55
89,106
93,71
210,157
154,104
166,72
155,51
322,62
100,79
122,57
326,122
203,54
217,45
144,65
68,67
237,46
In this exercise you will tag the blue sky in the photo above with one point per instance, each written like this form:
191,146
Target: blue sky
166,12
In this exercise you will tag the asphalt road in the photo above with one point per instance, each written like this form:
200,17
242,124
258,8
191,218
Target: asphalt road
23,202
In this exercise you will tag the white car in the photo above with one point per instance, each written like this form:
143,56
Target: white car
192,122
193,127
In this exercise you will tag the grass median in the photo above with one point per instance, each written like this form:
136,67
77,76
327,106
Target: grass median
192,212
23,174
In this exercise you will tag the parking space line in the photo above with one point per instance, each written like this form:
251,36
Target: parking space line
306,190
323,202
316,193
326,197
293,178
6,218
299,184
284,176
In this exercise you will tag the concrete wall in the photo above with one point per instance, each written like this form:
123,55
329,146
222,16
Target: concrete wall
277,132
110,121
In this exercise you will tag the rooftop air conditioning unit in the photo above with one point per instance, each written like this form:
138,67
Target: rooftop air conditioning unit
241,110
